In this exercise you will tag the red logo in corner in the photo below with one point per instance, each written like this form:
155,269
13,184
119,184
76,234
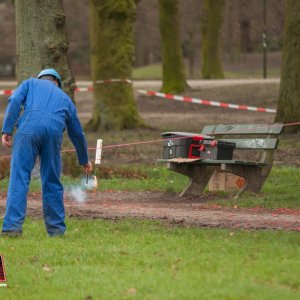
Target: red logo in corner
2,270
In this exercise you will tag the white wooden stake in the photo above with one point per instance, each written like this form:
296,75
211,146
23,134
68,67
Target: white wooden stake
98,152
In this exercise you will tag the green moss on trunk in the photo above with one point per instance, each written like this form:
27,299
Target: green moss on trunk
174,80
289,100
112,55
42,41
211,24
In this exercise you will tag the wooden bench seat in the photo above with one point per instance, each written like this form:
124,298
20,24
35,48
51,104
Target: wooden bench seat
258,140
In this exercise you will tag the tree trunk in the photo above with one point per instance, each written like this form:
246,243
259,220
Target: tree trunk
211,24
174,80
289,100
42,41
112,56
245,37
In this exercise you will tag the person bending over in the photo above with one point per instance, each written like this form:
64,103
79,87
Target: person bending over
47,111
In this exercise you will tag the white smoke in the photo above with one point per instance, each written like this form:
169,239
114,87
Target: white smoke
77,193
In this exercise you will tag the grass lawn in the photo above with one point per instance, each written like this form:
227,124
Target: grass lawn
151,71
147,260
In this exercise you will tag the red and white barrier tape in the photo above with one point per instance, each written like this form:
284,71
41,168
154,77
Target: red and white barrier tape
83,89
77,90
6,92
207,102
114,80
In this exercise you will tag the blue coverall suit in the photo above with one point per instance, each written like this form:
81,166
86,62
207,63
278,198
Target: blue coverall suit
47,112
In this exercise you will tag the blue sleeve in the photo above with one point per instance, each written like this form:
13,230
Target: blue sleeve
77,137
15,103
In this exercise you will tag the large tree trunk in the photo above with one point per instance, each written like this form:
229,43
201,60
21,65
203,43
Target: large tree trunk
211,24
289,93
112,55
191,11
42,41
174,80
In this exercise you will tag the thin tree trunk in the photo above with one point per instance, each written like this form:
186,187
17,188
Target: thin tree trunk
112,55
289,92
211,24
42,40
174,79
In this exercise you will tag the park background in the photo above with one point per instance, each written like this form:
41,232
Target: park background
134,237
241,31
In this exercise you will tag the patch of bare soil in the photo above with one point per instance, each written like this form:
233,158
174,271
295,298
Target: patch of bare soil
171,209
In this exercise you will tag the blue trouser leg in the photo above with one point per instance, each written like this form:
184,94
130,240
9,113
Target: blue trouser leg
53,206
23,159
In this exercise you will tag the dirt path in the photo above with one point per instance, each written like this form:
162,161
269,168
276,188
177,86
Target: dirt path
170,209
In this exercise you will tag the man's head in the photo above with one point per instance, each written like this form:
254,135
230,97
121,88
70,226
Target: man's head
50,74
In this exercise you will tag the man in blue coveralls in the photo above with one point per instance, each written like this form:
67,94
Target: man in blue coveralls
47,112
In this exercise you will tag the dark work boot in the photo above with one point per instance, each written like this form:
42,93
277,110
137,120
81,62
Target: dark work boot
11,233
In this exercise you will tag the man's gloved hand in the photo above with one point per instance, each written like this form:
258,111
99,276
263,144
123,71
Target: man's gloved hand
6,140
88,168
